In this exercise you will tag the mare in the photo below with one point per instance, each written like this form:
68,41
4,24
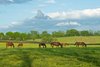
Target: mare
42,45
80,43
9,43
56,44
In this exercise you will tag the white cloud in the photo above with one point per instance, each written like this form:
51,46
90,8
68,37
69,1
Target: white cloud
3,27
76,14
68,23
11,0
46,3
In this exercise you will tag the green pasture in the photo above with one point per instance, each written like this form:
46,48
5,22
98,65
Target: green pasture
30,55
86,39
73,39
50,57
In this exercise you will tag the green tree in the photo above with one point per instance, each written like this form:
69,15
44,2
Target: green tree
85,33
46,37
17,35
58,34
97,33
23,36
1,35
9,35
72,32
34,35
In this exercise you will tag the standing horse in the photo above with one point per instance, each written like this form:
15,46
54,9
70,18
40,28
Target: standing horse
9,44
80,43
20,44
56,44
42,44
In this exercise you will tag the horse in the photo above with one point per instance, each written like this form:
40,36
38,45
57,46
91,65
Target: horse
20,44
65,44
9,44
42,44
80,43
56,44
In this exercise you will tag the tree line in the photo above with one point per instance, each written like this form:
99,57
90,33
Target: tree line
45,36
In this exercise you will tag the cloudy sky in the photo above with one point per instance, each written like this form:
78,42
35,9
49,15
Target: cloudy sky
50,15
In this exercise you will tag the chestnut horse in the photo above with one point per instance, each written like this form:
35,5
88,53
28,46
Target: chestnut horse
42,44
9,44
56,44
80,43
20,44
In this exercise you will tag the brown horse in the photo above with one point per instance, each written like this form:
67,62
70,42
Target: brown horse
20,44
65,44
56,44
42,44
80,43
9,44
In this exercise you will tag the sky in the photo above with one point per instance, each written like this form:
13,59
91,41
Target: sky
20,15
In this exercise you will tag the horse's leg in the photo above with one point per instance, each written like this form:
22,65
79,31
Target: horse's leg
78,45
61,46
39,46
13,46
45,46
52,46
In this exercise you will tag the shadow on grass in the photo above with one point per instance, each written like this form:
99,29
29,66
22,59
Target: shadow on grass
78,53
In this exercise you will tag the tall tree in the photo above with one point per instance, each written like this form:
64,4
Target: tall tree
10,35
1,35
58,34
72,32
85,33
34,35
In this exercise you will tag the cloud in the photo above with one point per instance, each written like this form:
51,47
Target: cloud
71,23
76,14
46,3
13,1
42,22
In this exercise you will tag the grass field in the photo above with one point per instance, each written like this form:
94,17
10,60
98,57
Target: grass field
50,57
30,55
86,39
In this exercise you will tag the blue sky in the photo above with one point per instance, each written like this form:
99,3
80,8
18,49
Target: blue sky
69,12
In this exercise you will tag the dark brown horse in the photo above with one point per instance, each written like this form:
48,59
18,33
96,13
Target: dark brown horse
20,44
56,44
9,43
80,43
42,44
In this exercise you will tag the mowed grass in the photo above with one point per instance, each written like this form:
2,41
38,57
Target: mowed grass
50,57
30,55
86,39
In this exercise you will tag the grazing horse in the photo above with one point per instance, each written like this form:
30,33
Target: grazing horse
65,44
9,44
20,44
56,44
80,43
42,44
